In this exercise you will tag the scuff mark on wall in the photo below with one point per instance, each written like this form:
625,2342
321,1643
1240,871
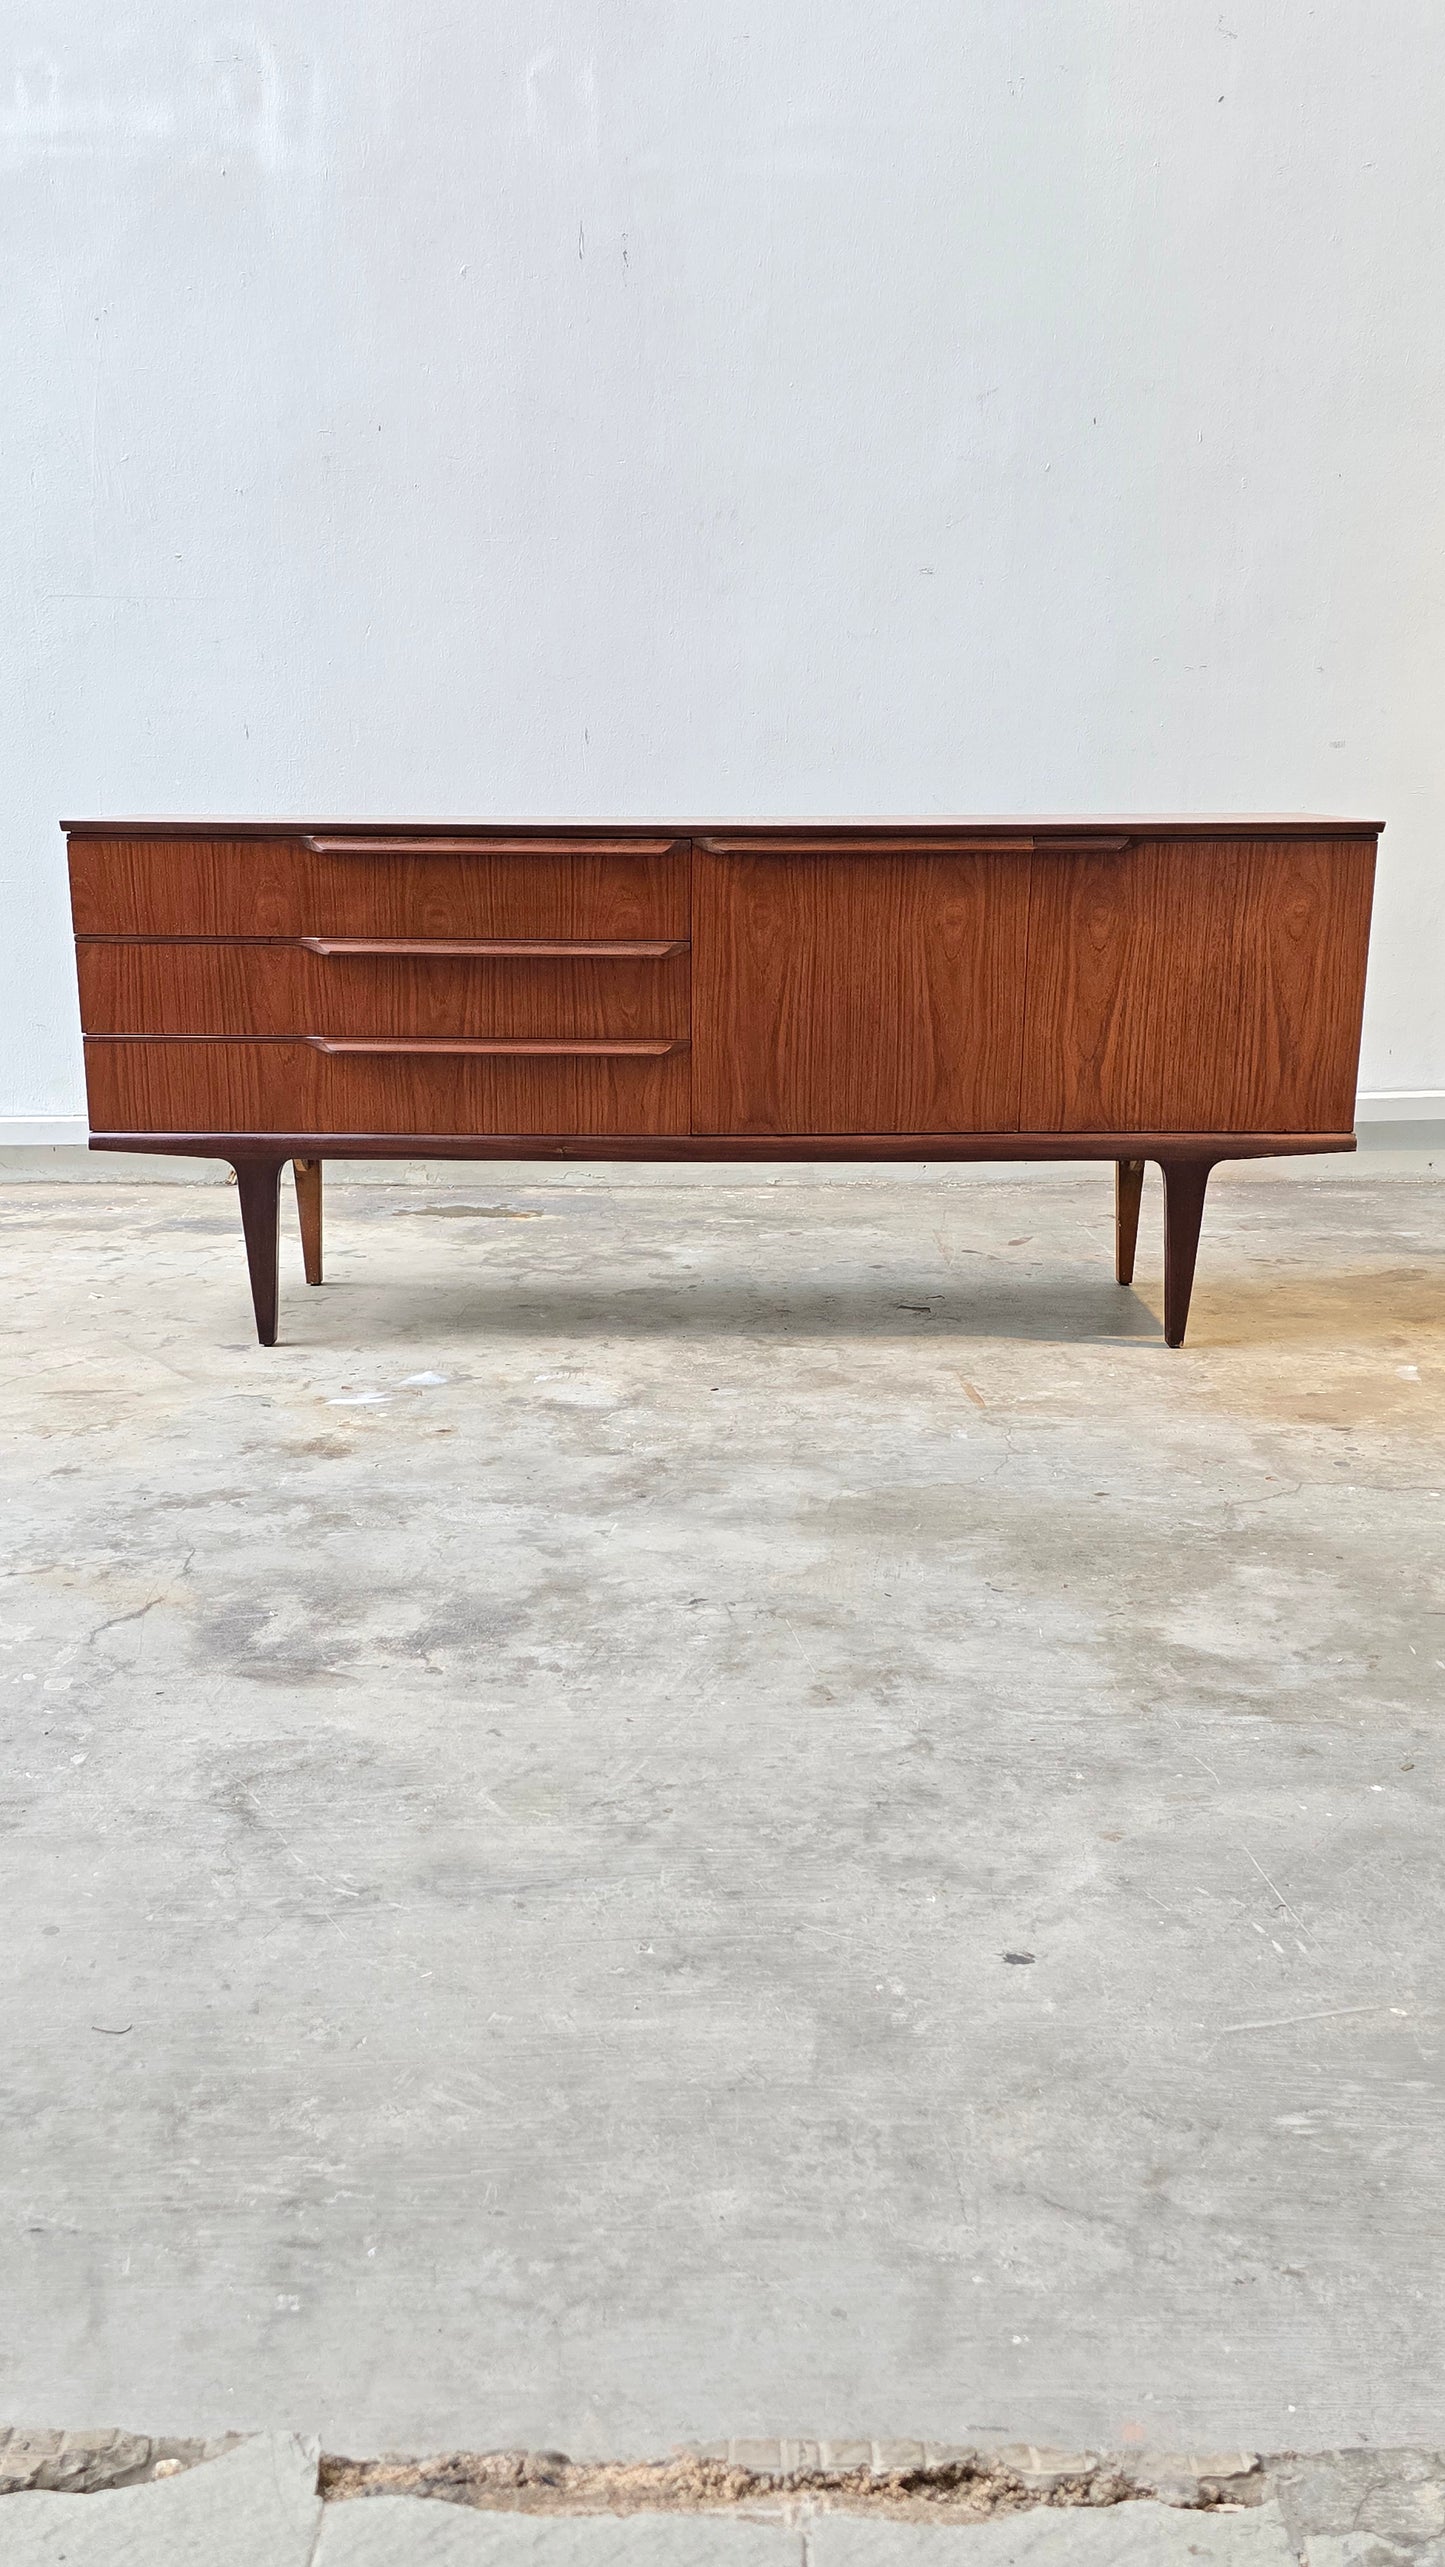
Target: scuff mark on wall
218,93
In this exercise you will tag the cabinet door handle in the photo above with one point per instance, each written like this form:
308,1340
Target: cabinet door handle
1090,846
860,842
445,948
857,842
499,1047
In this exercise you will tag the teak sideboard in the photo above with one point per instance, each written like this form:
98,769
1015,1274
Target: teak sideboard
1180,990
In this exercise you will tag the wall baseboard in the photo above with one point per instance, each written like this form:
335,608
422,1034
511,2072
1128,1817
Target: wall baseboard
1400,1105
42,1131
1373,1105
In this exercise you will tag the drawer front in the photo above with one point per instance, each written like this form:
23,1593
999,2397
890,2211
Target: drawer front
129,987
298,1088
1200,986
417,887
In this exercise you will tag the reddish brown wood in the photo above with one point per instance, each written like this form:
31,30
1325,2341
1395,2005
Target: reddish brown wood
307,1173
1091,842
467,842
877,994
832,828
1213,989
437,948
864,839
1185,1181
910,838
213,986
259,1182
768,1149
1128,1189
496,1047
879,990
296,1088
211,886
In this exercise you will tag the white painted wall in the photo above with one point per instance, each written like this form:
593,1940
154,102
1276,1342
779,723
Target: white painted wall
441,406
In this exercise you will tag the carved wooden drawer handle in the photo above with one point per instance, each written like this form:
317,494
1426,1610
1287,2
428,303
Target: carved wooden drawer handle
500,842
446,948
502,1047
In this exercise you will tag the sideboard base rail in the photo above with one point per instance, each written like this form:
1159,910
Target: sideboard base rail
1186,1161
765,1147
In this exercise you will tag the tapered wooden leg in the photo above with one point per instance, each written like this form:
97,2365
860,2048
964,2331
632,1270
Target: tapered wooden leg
1184,1184
1128,1186
259,1183
307,1173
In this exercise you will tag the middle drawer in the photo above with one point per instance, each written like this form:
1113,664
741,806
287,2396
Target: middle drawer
345,986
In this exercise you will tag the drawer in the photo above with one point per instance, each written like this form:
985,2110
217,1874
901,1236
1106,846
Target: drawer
195,987
302,1088
480,884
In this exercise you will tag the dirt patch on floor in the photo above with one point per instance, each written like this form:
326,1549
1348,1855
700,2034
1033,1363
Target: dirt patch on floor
907,2483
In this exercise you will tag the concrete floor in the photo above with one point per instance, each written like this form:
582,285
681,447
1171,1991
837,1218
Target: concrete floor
520,1803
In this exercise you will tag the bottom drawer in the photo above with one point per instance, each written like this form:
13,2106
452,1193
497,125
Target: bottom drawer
148,1086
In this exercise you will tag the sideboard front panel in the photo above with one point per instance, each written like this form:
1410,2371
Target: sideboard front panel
1197,986
849,991
872,980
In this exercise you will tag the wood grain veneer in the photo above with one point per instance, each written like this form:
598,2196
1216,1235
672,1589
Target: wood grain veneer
877,993
258,1087
1224,992
289,989
217,886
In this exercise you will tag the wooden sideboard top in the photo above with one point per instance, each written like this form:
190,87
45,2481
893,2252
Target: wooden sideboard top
737,832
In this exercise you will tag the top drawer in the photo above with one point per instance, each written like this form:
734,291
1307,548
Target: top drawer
419,885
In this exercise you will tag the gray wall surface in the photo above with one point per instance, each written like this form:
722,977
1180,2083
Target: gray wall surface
824,406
